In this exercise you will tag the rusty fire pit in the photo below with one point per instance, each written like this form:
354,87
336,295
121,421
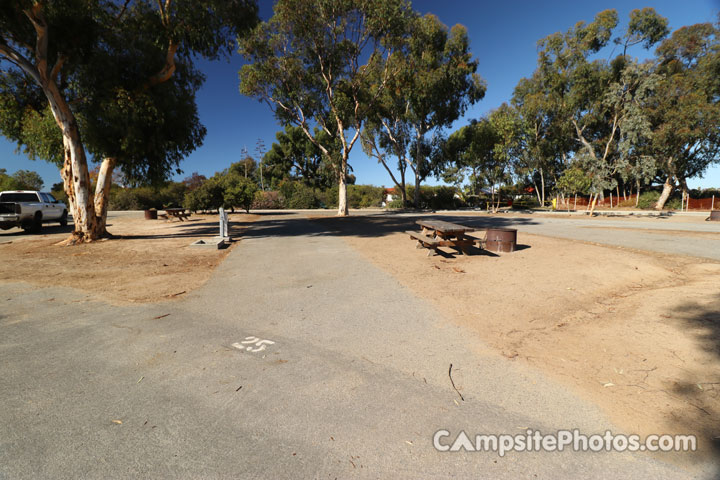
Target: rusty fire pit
715,216
501,239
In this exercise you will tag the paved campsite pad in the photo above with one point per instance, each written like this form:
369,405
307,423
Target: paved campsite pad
353,383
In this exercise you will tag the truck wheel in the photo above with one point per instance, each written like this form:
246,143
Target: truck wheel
63,219
37,223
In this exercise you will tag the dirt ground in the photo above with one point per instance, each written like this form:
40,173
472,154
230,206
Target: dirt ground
636,333
133,268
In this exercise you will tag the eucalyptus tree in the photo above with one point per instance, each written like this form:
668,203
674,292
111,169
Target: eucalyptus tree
545,137
54,46
435,84
312,64
294,156
483,152
686,110
599,99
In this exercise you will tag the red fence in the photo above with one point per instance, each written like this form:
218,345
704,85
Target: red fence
611,202
703,203
629,201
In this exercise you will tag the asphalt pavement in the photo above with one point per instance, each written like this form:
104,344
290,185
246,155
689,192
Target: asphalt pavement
298,359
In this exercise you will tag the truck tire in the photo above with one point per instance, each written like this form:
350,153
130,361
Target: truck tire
63,219
36,225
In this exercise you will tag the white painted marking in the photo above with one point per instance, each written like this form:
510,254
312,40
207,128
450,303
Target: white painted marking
259,344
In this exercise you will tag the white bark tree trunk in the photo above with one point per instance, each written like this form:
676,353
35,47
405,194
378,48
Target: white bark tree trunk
667,190
342,190
102,191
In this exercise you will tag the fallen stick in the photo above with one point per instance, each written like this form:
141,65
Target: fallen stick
453,383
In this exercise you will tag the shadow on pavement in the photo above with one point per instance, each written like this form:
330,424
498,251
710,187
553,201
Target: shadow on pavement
367,226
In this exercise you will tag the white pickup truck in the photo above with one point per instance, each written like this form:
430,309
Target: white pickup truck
29,210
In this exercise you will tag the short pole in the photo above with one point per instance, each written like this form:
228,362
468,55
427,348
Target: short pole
712,205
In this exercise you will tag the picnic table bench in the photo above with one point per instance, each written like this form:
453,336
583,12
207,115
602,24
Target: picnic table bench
439,233
178,213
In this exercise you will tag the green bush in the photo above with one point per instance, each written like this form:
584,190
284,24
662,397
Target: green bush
172,194
444,198
396,203
208,196
526,202
364,196
297,195
60,196
238,191
648,199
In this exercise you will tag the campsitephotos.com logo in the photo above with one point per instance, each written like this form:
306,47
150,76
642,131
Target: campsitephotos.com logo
536,441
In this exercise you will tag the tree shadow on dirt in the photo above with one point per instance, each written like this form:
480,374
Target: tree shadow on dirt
46,230
701,390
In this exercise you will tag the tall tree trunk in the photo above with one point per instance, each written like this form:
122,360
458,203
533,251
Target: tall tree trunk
102,191
76,178
419,160
537,193
592,204
416,193
686,192
667,190
637,197
342,190
542,183
74,172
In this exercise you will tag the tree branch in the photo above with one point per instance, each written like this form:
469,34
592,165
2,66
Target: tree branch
23,63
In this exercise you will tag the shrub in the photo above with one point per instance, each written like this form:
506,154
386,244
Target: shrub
297,195
648,199
172,194
364,196
267,201
208,196
238,191
122,199
396,203
443,198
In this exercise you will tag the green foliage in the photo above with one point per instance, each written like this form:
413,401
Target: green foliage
313,62
238,191
574,180
364,196
20,180
297,195
208,196
436,82
125,70
294,156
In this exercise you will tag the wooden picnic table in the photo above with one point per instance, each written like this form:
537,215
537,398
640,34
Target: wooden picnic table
178,213
439,233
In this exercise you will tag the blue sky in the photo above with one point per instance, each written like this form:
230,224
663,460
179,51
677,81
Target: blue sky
503,38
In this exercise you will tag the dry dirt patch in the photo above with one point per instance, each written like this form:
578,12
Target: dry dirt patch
149,261
636,333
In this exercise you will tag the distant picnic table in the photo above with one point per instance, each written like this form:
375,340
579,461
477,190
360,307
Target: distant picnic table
439,233
178,213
